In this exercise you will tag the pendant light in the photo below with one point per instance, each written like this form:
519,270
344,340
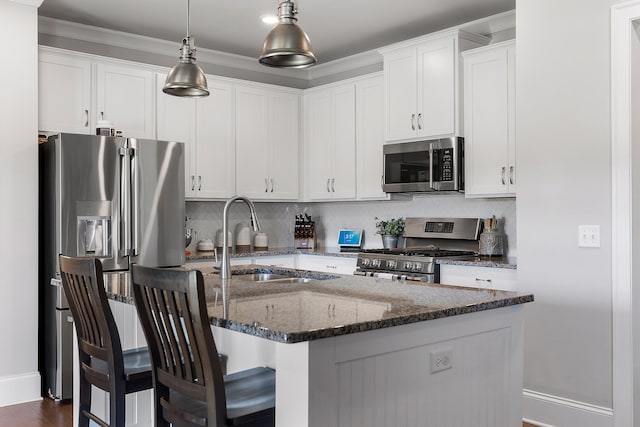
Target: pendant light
186,78
287,45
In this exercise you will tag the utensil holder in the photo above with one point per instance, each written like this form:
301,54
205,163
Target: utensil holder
490,243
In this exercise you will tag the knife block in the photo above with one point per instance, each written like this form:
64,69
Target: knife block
304,235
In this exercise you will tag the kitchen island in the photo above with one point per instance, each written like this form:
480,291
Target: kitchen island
361,351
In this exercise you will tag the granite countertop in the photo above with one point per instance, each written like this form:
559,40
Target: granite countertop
196,255
482,261
331,305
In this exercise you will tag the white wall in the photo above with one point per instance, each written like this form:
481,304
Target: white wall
563,136
19,378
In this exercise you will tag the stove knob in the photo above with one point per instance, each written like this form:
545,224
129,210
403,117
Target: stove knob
391,264
375,263
408,265
366,262
417,266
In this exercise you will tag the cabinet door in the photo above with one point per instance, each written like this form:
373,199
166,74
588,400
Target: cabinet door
505,279
327,264
343,179
126,96
370,138
511,112
215,146
401,87
318,145
436,88
283,146
175,118
64,94
252,142
487,127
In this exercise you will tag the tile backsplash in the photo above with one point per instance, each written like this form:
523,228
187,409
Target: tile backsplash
277,219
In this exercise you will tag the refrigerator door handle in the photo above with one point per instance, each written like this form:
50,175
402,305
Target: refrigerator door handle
123,244
135,203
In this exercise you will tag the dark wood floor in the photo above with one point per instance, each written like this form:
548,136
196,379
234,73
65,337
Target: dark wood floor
43,413
47,413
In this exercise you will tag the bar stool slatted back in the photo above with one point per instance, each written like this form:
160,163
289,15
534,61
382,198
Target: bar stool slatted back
102,361
189,386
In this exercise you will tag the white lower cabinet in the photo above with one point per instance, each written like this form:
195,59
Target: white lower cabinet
505,279
327,264
285,261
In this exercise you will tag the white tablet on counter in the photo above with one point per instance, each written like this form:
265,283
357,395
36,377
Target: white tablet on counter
350,239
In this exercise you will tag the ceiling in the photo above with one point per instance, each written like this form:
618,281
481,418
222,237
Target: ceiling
337,28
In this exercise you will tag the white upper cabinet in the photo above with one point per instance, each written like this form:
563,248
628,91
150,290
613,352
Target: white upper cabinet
489,108
370,138
205,125
422,91
214,157
125,96
266,143
64,97
330,143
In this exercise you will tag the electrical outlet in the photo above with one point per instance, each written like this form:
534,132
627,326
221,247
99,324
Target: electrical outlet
441,360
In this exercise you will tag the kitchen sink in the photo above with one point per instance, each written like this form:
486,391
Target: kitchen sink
272,278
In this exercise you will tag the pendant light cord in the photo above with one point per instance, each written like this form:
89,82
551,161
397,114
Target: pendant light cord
188,19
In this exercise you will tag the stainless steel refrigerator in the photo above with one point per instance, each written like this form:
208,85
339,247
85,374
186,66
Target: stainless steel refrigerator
118,199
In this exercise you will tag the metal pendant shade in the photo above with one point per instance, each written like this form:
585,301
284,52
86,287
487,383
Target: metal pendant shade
287,45
186,78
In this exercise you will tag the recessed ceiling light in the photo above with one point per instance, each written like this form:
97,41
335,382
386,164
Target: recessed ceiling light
269,19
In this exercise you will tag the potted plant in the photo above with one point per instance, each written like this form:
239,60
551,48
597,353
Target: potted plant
390,230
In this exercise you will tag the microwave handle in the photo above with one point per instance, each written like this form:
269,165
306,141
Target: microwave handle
431,166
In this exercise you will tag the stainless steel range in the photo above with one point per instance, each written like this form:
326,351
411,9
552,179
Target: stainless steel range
425,241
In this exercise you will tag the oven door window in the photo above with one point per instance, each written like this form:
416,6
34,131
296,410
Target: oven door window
401,168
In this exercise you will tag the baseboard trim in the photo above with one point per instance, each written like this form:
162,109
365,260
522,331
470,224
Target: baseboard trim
546,410
19,389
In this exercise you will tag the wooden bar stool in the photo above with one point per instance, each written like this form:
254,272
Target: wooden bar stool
102,361
189,386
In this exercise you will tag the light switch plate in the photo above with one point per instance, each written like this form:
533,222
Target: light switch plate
589,236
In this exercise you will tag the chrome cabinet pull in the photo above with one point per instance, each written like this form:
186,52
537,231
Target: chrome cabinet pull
266,185
333,185
504,170
483,280
413,122
199,182
86,121
102,115
193,183
328,189
511,175
271,179
419,121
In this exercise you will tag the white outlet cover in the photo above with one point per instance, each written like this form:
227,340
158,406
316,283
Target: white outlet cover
589,236
440,360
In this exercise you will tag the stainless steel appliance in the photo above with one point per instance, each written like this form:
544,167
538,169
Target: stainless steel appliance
426,240
423,166
118,199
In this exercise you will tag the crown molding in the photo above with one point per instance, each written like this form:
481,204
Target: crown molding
345,64
34,3
76,31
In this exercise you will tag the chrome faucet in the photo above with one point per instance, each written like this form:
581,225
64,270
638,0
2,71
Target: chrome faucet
225,268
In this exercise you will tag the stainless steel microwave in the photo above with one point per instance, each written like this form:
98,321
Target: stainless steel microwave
422,166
